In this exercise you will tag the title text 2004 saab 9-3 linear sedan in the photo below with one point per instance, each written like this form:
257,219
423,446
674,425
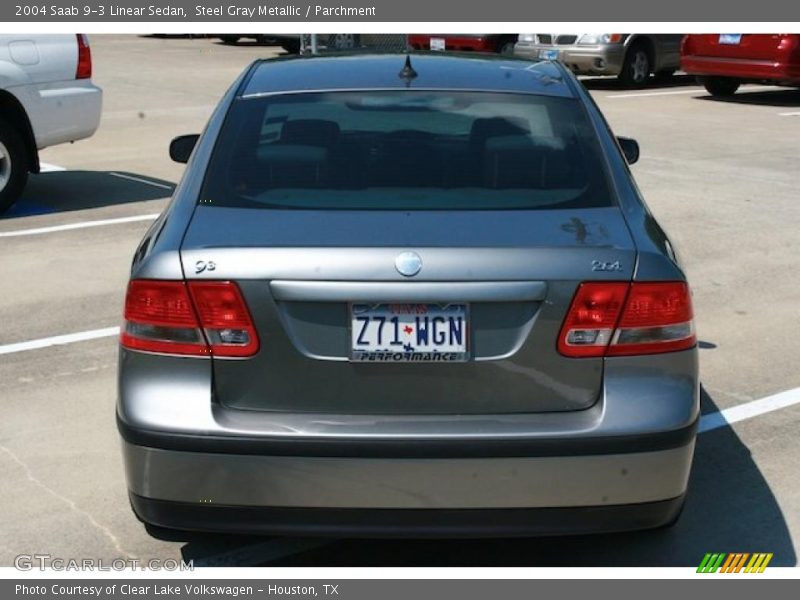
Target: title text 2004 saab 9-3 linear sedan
407,296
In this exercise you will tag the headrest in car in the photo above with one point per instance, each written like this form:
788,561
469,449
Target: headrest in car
291,154
483,129
313,132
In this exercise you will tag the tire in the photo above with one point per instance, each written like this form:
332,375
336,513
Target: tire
292,47
229,39
344,41
636,67
13,165
721,86
666,74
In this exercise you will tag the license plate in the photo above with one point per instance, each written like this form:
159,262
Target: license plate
548,54
408,332
437,44
730,39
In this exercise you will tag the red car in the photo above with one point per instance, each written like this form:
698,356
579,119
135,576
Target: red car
723,61
463,42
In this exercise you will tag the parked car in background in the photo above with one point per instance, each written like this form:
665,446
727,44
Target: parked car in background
463,42
407,294
288,41
292,43
46,97
632,57
723,61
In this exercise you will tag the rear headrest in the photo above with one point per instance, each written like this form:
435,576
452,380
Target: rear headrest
483,129
520,161
312,132
502,143
292,154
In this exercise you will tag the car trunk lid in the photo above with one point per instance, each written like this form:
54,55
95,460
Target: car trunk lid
300,271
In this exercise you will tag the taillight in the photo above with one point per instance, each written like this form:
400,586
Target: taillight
198,319
687,45
657,318
224,318
616,319
84,70
591,319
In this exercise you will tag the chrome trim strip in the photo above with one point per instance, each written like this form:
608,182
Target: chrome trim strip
416,291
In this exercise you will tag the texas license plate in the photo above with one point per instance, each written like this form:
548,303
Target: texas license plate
730,39
437,43
409,332
548,54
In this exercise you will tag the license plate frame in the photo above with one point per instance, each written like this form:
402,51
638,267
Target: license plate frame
407,314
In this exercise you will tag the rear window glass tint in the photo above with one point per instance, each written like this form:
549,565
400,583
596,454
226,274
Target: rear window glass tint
406,150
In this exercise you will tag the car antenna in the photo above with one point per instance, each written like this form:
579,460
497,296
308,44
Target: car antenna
407,72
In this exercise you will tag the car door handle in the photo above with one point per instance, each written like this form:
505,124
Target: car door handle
408,291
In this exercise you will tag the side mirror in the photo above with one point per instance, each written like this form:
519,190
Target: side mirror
180,149
630,148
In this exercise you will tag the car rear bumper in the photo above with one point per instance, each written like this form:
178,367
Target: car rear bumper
440,523
633,447
281,494
61,112
584,60
745,69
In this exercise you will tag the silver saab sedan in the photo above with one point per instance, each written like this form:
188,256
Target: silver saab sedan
407,295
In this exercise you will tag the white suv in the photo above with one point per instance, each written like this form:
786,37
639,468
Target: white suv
46,98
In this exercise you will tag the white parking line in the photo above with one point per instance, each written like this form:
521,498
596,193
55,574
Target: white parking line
48,168
79,225
789,114
141,180
645,94
755,88
748,410
59,340
51,168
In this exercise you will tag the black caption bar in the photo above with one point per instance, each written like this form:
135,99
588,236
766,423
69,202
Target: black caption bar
443,11
732,588
190,11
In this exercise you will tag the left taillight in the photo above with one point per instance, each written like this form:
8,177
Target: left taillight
84,69
194,319
658,317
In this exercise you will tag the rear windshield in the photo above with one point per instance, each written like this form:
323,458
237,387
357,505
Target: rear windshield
406,150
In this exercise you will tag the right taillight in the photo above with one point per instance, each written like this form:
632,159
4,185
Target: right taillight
195,319
224,317
620,319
